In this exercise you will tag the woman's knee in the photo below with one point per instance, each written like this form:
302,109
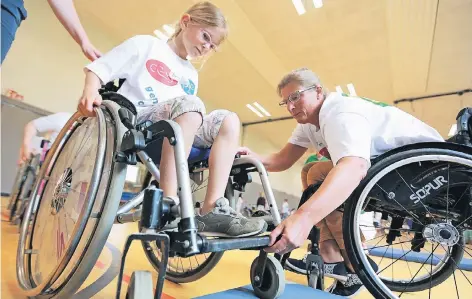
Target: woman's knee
318,172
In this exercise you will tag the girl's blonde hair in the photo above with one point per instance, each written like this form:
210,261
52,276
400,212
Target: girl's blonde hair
206,14
302,76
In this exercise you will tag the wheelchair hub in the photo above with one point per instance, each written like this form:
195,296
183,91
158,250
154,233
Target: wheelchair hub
442,233
61,191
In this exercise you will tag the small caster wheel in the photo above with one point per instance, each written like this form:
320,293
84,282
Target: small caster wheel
140,286
273,282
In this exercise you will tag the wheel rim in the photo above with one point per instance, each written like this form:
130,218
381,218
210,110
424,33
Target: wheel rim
70,180
361,204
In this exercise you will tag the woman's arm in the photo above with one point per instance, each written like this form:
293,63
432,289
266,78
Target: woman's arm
66,13
280,161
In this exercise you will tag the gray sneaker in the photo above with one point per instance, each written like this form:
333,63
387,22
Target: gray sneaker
223,221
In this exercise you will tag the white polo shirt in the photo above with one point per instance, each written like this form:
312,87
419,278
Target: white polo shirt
359,127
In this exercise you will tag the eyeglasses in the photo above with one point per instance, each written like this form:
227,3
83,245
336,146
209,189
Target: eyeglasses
295,96
207,38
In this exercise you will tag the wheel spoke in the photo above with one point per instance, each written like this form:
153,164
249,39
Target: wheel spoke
408,264
431,276
424,206
447,192
412,215
415,274
398,258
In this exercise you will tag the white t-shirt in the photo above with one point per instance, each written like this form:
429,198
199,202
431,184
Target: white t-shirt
52,124
359,127
285,208
153,72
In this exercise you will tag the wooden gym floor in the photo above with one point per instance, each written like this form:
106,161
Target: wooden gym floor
231,272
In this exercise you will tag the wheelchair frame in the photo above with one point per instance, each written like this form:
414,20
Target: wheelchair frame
186,241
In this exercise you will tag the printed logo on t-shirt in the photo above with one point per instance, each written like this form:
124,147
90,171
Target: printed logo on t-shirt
324,152
161,72
188,86
151,94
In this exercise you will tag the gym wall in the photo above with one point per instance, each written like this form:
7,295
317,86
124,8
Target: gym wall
45,64
15,115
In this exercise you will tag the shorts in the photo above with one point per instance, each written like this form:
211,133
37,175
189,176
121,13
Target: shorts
171,109
331,226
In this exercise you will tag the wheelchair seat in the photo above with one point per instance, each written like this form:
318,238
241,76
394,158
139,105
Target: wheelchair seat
154,150
198,154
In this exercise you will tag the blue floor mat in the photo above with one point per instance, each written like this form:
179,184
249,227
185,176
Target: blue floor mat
292,290
418,257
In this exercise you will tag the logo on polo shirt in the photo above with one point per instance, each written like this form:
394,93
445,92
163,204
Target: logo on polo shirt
324,152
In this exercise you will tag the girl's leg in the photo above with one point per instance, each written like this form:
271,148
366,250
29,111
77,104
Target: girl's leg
221,160
220,130
187,112
189,122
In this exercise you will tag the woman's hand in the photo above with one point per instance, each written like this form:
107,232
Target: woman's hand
245,151
293,231
90,51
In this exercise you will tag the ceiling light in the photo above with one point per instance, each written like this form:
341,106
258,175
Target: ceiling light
161,35
168,29
452,130
318,3
352,91
261,108
254,110
339,89
299,6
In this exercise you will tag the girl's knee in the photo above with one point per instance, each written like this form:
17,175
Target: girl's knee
230,123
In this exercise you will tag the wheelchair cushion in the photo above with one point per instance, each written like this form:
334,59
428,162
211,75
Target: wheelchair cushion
198,154
154,150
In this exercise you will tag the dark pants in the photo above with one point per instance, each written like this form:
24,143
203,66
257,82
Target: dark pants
10,24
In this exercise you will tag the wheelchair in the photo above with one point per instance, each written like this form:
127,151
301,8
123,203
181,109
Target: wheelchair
67,222
423,193
23,184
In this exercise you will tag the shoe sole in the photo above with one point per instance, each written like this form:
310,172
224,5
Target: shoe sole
223,235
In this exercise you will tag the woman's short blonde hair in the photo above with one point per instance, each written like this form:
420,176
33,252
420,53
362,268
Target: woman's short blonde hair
302,76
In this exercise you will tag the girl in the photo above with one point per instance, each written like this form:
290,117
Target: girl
162,84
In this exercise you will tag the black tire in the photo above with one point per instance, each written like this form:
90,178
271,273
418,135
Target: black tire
95,216
24,190
140,286
349,231
273,282
195,274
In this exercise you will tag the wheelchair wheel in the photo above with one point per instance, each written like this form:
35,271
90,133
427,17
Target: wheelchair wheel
18,183
184,269
25,189
273,282
424,196
20,176
140,286
73,207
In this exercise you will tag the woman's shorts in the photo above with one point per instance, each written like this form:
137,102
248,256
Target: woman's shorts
171,109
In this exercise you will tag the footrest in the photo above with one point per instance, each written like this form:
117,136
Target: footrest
249,243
